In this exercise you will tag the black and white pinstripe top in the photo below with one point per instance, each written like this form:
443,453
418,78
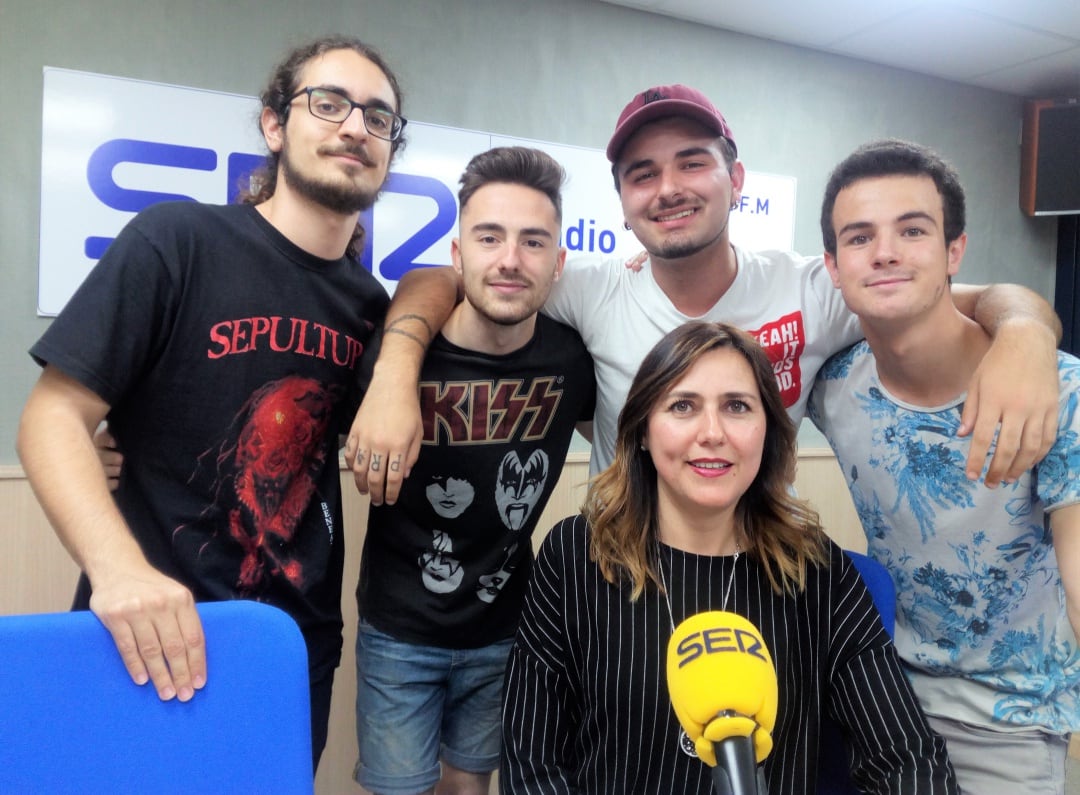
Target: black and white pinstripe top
587,707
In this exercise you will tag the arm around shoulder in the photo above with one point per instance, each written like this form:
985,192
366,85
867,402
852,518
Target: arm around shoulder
994,306
1014,392
384,440
422,302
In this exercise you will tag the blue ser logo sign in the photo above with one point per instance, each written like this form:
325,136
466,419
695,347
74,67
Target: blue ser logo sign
134,143
103,162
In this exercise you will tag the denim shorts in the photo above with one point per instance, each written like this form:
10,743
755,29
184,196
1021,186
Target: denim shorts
416,705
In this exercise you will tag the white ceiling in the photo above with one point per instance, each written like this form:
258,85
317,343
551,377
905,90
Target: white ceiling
1030,48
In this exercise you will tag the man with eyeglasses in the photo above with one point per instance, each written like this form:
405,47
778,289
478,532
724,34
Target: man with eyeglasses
223,346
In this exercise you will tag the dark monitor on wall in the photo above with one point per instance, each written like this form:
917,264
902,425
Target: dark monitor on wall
1050,157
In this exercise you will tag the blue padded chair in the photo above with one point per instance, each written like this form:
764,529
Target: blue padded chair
879,583
72,721
834,775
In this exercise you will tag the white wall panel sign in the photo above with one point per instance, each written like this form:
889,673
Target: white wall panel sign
112,146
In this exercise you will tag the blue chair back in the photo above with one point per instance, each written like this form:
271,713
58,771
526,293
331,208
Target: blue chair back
834,775
879,583
72,721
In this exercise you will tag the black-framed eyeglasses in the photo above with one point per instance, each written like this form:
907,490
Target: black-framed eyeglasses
330,105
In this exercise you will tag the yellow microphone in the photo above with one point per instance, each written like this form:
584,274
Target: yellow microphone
722,683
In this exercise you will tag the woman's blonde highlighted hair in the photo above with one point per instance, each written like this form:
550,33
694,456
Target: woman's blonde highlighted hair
783,533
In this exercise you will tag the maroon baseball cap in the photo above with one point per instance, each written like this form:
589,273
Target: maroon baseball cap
661,101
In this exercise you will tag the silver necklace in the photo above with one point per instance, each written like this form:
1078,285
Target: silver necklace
667,593
684,743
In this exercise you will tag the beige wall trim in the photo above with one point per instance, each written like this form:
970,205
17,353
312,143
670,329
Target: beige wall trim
12,473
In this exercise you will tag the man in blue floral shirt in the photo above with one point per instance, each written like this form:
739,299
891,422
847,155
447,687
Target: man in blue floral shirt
988,580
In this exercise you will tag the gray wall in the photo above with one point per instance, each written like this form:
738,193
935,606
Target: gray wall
555,70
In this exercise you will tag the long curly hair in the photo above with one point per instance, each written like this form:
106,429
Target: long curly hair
261,184
783,533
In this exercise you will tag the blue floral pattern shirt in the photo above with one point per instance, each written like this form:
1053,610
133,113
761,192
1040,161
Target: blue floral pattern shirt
981,621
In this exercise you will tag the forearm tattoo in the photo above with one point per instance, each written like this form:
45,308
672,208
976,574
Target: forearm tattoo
402,318
413,337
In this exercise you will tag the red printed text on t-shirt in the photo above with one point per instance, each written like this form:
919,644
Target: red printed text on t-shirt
784,340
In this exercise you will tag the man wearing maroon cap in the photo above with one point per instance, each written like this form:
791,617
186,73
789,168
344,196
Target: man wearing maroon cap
676,170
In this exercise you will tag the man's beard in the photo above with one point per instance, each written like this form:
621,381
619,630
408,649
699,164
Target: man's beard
681,249
491,313
343,198
494,311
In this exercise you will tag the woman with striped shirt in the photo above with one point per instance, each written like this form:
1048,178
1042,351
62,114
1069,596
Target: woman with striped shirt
695,514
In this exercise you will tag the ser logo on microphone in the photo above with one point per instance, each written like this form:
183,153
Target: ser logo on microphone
726,700
719,640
